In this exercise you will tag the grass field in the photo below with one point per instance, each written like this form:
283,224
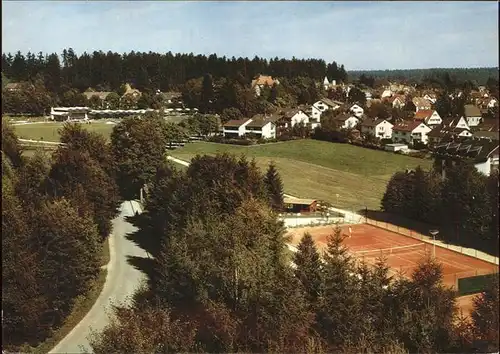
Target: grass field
321,170
49,131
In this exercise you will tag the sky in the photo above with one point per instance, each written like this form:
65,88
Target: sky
361,35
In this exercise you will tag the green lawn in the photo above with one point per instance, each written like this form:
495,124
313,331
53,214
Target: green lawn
49,131
318,169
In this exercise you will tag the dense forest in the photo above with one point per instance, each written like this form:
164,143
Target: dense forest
478,75
152,71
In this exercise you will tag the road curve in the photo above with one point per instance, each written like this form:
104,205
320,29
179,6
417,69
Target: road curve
121,281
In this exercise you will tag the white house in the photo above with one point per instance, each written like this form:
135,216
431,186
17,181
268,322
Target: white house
69,113
357,110
347,121
483,153
396,101
321,106
235,127
429,117
421,104
386,93
380,128
409,132
431,97
262,128
261,81
472,115
292,117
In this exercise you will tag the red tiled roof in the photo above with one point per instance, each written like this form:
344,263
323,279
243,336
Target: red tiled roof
406,126
423,114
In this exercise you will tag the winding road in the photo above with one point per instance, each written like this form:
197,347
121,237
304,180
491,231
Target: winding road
121,281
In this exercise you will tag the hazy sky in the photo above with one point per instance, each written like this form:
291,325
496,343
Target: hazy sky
360,35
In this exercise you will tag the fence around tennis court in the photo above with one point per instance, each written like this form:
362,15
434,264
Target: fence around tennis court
413,234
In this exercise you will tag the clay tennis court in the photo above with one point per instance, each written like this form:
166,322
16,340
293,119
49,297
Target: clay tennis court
402,253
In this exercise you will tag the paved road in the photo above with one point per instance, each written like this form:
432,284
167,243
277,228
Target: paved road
121,281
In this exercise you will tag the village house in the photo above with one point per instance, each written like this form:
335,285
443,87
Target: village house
421,104
317,109
410,132
262,126
235,128
482,153
292,117
171,97
328,85
492,135
130,91
69,113
386,93
347,121
357,110
261,81
472,115
487,103
396,101
430,117
431,97
442,133
380,128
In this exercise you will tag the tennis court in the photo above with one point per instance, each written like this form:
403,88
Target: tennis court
402,253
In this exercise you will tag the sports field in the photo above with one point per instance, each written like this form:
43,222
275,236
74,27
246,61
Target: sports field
321,170
49,131
368,242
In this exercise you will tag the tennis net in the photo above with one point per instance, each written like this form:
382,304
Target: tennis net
392,250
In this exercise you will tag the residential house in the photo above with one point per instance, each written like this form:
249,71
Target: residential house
386,93
488,124
396,101
69,113
488,103
456,123
410,132
262,126
430,117
368,94
442,133
317,109
296,205
260,81
235,128
101,95
472,115
292,117
172,97
347,121
357,110
431,97
483,153
421,103
130,91
379,128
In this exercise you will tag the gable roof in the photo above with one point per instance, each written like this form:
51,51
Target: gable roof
330,102
487,135
472,111
344,117
421,102
236,122
101,95
373,122
478,150
263,80
423,114
407,126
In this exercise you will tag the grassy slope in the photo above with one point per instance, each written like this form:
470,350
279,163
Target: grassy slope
318,169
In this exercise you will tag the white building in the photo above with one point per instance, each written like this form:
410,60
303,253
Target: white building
421,104
321,106
386,93
69,113
292,117
410,132
235,127
429,117
472,115
357,110
261,128
347,121
483,153
380,128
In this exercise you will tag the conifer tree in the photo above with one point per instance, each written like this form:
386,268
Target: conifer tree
309,268
274,187
485,317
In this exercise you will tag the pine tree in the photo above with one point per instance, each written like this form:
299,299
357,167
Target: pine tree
485,317
274,187
309,268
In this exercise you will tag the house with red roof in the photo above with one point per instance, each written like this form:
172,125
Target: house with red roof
429,116
410,132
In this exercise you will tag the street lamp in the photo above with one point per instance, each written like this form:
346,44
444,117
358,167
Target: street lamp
434,233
